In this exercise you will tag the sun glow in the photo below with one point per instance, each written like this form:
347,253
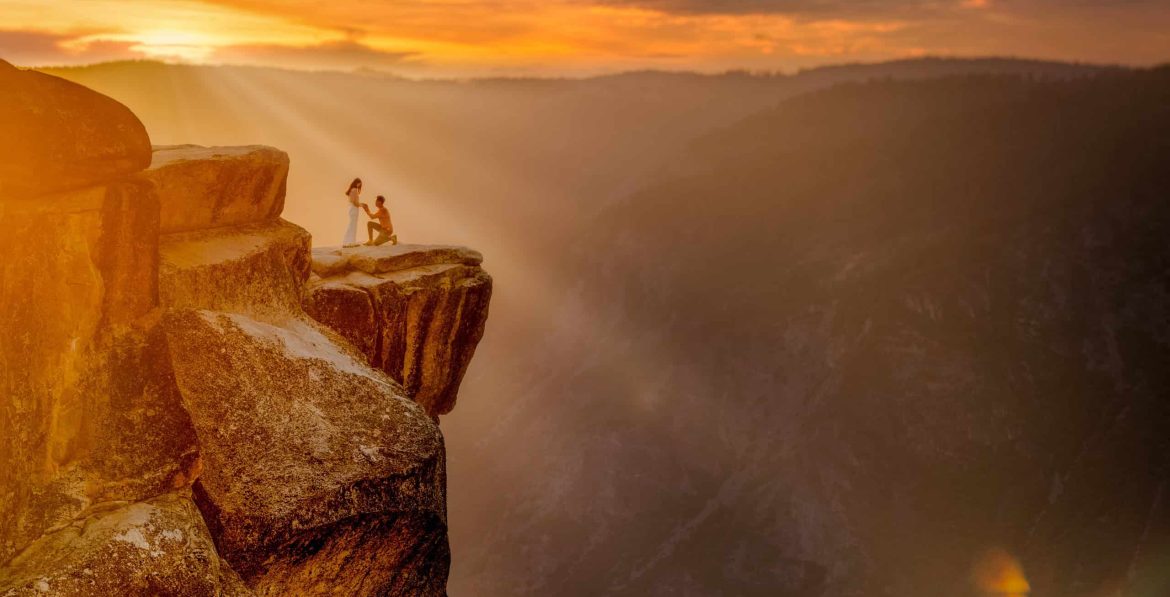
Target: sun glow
188,46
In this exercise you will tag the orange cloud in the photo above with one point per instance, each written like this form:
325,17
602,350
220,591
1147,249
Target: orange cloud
469,37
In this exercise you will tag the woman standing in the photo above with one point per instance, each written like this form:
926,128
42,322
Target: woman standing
352,194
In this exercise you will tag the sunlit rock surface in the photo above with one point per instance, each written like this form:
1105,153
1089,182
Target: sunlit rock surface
429,305
392,258
157,547
164,399
257,268
205,187
59,135
89,412
318,476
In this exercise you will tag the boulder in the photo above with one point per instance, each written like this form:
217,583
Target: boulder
60,136
157,547
428,319
320,477
257,268
207,187
90,410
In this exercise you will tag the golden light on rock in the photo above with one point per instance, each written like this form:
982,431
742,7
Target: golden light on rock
999,574
102,427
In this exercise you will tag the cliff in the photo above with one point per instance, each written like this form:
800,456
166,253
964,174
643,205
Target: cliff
426,307
173,421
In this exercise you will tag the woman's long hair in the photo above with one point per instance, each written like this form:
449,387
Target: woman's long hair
357,182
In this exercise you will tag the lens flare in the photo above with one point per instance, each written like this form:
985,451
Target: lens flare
998,574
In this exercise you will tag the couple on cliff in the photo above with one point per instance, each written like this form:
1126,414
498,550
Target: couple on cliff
383,226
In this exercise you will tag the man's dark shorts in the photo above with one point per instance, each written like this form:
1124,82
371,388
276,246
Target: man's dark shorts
384,235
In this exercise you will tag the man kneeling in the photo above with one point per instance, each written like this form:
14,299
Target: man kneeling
383,226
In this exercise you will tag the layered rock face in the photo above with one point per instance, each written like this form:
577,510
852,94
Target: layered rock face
206,187
415,312
96,453
167,402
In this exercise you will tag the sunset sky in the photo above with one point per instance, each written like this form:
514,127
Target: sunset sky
567,37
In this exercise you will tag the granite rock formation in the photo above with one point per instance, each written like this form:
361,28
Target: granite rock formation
69,137
426,305
90,413
206,187
173,422
305,446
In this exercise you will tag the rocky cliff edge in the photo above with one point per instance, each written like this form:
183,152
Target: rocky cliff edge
195,402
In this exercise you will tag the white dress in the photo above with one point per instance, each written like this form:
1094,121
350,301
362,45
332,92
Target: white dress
351,232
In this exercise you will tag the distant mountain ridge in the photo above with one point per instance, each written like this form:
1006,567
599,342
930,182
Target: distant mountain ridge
926,66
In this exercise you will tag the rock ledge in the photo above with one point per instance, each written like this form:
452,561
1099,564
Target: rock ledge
416,311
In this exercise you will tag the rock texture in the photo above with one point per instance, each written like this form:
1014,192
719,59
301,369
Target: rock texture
166,402
206,187
89,412
428,306
60,135
157,547
257,268
315,469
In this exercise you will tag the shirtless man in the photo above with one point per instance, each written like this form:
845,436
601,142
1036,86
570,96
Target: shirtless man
384,227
